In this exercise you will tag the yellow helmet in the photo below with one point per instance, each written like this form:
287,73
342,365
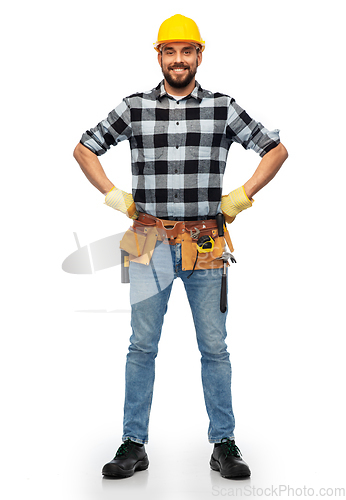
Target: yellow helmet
179,28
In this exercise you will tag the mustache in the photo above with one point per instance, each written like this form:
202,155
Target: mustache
176,66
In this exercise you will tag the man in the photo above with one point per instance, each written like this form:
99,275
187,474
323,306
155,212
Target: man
179,136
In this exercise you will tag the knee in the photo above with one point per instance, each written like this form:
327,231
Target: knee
144,340
214,349
143,348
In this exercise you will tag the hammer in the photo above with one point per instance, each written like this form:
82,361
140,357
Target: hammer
223,297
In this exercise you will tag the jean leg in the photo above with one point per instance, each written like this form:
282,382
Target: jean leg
146,321
203,291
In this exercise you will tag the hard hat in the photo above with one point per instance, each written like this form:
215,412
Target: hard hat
179,28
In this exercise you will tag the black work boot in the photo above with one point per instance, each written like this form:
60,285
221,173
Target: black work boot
226,458
129,458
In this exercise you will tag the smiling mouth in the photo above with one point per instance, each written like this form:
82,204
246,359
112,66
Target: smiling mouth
178,70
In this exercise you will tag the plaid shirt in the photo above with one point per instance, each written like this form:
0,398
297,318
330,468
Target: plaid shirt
179,148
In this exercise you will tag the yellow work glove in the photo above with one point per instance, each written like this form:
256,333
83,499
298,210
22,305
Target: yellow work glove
234,203
122,201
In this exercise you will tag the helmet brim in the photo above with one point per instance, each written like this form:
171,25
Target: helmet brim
158,45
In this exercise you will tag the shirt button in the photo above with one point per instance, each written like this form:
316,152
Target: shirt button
177,147
177,123
176,171
175,196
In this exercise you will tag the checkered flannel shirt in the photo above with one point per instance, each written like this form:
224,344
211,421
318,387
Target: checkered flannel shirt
179,148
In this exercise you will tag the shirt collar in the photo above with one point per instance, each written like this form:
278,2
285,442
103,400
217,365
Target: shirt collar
197,92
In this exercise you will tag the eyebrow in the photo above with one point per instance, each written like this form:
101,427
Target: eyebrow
189,47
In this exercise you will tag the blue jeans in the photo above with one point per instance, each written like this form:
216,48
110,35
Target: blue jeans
150,288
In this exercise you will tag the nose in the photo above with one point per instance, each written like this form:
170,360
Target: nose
178,57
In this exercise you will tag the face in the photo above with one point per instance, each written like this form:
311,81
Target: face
179,62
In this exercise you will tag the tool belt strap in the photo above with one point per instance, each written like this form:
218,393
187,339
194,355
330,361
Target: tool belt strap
228,239
171,229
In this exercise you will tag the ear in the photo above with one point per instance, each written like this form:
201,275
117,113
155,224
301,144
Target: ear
159,58
199,58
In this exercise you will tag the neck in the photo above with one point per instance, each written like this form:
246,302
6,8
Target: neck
180,91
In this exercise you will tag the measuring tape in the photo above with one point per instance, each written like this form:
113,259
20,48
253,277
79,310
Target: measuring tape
205,244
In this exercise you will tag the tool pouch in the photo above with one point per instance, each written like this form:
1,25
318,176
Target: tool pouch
205,260
139,242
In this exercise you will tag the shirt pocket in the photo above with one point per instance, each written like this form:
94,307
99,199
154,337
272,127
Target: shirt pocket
154,139
152,154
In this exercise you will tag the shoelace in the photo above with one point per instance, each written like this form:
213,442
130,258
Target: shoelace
231,447
124,448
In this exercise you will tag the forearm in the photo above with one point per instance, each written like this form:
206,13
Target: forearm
92,168
266,170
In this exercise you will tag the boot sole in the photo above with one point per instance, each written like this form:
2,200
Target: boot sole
214,465
122,473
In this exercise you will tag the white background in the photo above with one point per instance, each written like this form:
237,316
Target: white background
65,66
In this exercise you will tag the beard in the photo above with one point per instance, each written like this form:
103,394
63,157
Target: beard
176,80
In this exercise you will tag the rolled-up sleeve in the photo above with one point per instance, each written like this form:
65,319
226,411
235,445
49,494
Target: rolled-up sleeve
249,133
109,132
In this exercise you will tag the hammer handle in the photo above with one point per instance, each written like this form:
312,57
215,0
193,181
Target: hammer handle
223,297
220,222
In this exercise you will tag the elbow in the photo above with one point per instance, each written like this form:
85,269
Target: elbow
81,152
283,152
77,151
279,153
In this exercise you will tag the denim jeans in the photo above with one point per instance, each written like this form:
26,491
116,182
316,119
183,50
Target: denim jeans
150,288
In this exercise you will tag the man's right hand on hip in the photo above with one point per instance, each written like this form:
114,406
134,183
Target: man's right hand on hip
122,201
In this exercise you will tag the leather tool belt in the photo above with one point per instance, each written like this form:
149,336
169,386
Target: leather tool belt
140,240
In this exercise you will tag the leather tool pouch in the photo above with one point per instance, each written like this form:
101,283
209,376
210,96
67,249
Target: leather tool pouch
205,260
139,242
